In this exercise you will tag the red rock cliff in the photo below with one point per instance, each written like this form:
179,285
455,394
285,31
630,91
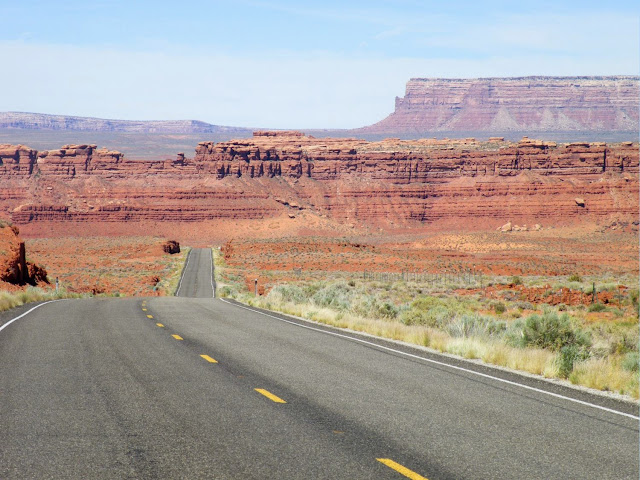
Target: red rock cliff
345,179
499,105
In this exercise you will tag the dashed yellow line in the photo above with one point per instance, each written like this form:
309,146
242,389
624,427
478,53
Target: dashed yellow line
209,359
144,309
269,395
160,325
149,316
177,337
401,469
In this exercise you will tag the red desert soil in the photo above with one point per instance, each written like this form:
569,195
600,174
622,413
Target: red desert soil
126,265
561,251
288,200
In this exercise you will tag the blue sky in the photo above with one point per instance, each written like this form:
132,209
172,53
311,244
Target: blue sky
288,64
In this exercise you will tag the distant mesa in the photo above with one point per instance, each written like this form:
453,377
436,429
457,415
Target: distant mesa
497,106
41,121
583,108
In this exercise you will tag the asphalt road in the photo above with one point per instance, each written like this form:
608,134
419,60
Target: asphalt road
119,388
197,277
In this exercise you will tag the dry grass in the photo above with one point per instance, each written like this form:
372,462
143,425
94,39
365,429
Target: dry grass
602,374
605,374
9,300
172,272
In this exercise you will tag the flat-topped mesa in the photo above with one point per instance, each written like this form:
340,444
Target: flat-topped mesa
534,104
294,155
425,180
406,161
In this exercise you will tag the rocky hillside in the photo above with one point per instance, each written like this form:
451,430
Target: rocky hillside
302,179
526,104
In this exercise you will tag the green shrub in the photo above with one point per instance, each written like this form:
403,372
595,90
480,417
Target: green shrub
633,296
337,296
569,355
474,325
434,311
596,307
547,331
496,327
466,326
499,307
430,318
287,293
226,292
387,310
365,305
631,362
625,343
525,306
515,280
575,278
426,303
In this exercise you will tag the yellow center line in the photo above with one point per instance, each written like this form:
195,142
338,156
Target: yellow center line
177,337
144,309
401,469
270,395
209,359
149,316
160,325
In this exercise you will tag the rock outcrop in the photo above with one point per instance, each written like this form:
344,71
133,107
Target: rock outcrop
524,104
348,180
14,268
171,247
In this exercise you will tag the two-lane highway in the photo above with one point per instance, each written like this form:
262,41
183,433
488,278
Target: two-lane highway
197,277
201,388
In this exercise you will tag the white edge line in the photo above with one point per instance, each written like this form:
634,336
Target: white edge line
509,382
183,270
25,313
213,289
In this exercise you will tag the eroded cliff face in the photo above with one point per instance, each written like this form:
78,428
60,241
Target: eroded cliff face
348,180
14,268
500,105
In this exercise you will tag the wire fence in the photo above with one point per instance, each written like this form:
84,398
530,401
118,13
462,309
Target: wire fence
466,277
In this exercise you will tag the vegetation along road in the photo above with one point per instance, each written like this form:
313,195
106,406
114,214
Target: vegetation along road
186,387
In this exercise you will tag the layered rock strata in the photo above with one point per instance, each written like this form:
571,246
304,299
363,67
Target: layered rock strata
499,105
349,180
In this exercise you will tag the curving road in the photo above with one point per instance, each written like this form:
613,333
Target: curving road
193,388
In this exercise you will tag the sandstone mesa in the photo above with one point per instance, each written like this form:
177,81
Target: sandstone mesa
287,174
524,104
